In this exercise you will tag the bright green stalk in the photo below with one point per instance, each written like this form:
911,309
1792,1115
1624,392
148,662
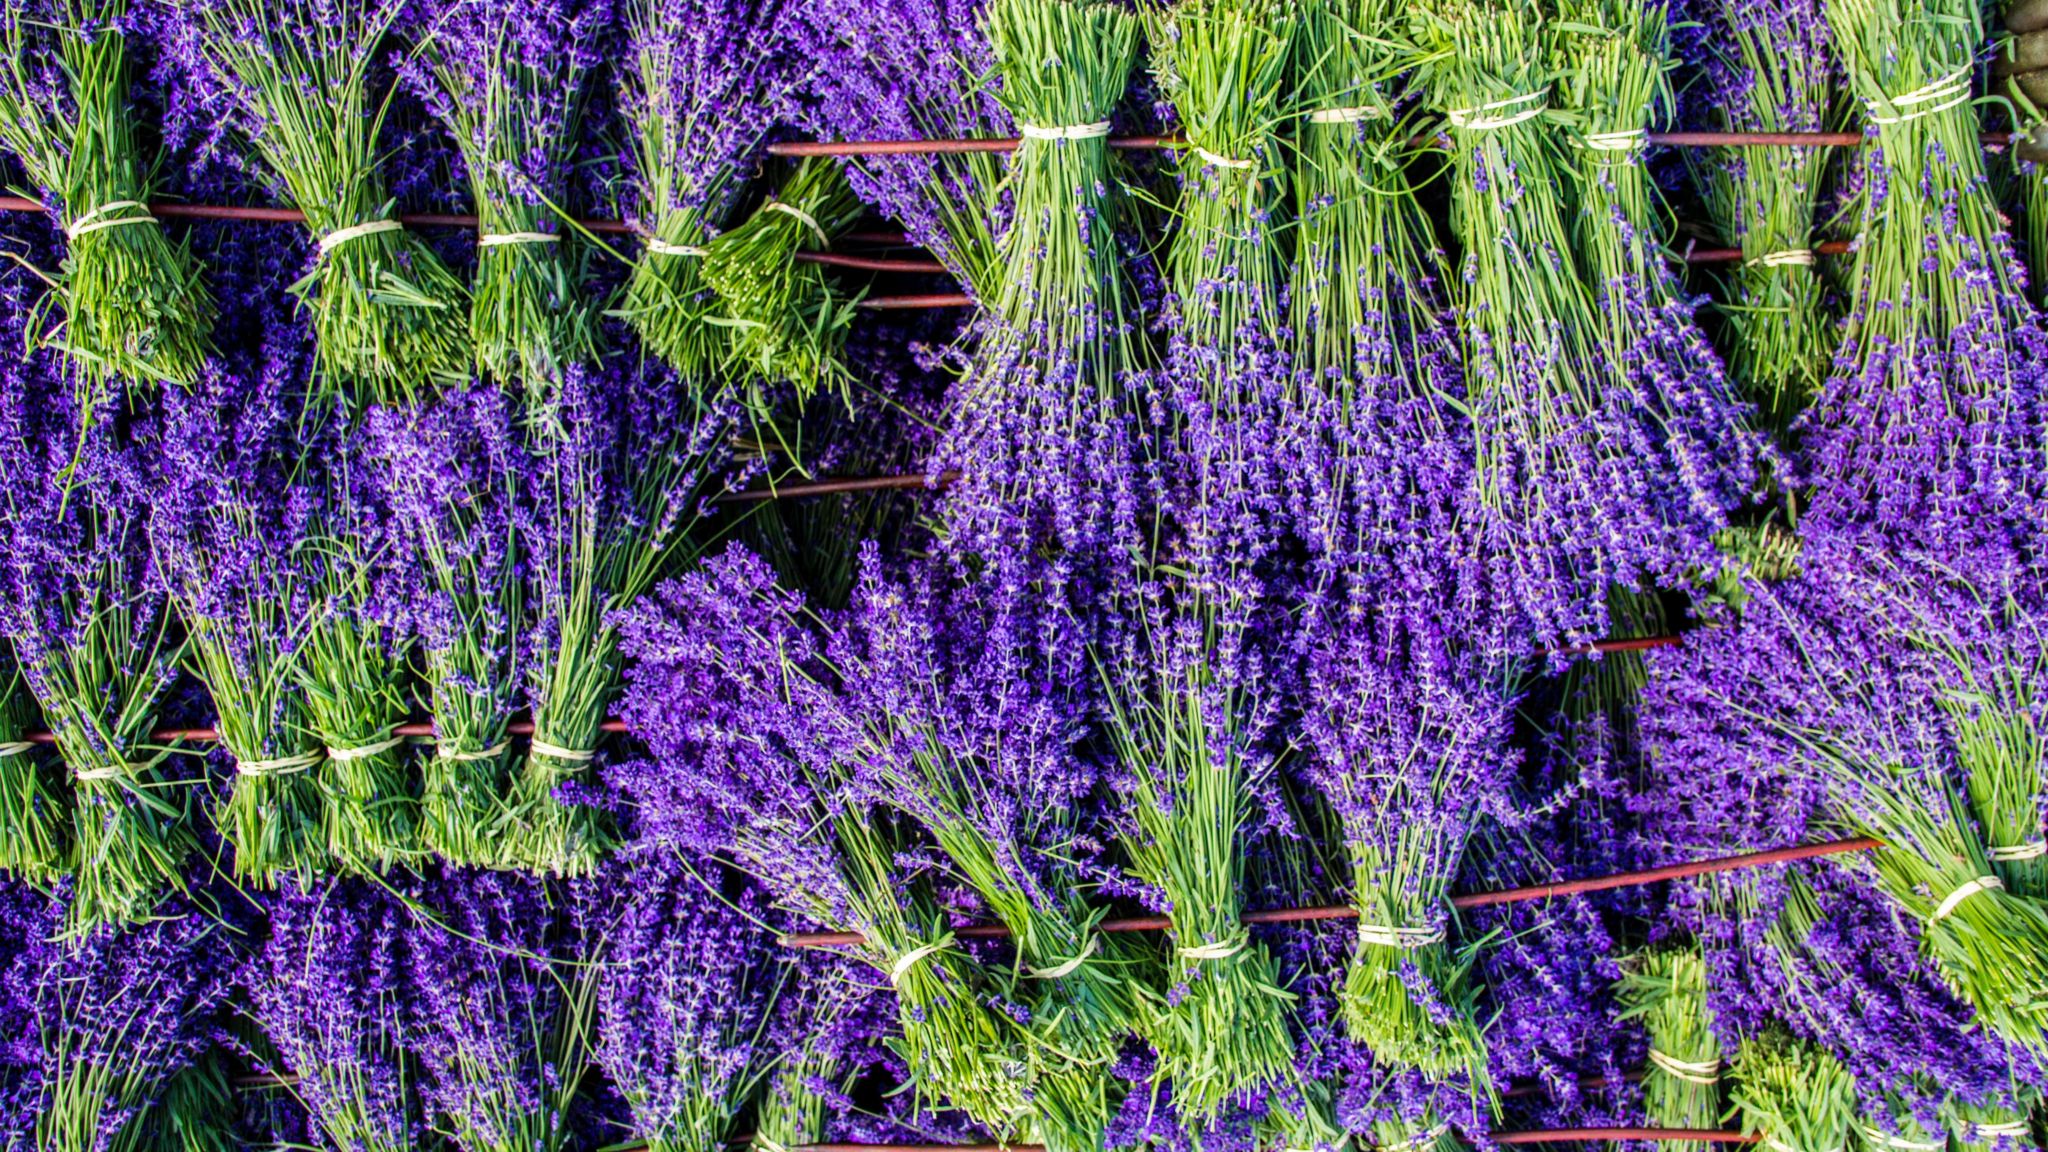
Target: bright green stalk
786,321
272,816
561,1041
389,317
131,826
529,315
1666,989
1792,1092
33,809
196,1111
135,307
1224,1029
2001,750
1781,340
604,557
352,669
80,1094
790,1112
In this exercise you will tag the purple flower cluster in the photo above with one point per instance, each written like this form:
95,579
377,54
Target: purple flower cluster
330,992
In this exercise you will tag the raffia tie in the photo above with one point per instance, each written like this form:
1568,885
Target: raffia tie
1941,95
1963,892
491,753
1478,120
1901,1143
1784,257
1420,1140
916,956
2014,853
498,239
659,247
13,748
1626,140
804,218
1095,131
2017,1129
281,765
557,752
1777,1145
1070,966
768,1143
108,772
1225,161
340,236
364,751
1217,950
98,218
1406,939
1346,115
1690,1071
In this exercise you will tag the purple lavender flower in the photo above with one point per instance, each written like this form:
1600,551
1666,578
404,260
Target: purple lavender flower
499,1024
329,991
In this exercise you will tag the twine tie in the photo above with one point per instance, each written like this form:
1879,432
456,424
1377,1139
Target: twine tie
1071,966
97,219
364,751
1095,131
1476,120
805,218
1690,1071
915,956
279,766
1963,892
337,238
497,239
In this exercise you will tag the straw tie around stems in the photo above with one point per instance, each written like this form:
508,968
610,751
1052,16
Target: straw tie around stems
134,307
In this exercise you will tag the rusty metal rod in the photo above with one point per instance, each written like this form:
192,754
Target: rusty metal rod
1470,900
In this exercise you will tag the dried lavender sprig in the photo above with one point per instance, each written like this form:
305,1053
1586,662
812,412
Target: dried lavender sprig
1666,989
134,306
1770,69
1932,409
1044,431
352,664
708,78
34,812
294,80
786,321
507,78
619,470
1792,1092
455,472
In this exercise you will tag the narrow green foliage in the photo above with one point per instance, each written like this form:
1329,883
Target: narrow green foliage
1764,201
1988,1126
135,308
1888,1125
786,321
1792,1092
389,317
34,812
1666,990
2000,747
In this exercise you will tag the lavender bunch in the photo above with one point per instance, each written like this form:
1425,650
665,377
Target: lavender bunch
219,511
683,1008
619,470
1377,419
707,79
1224,64
455,472
1043,424
293,80
507,78
1665,988
134,307
785,321
1828,679
90,631
500,1025
1187,705
919,70
1932,412
33,816
969,704
1769,68
1792,1092
1408,740
352,668
726,690
329,992
119,1013
1590,470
